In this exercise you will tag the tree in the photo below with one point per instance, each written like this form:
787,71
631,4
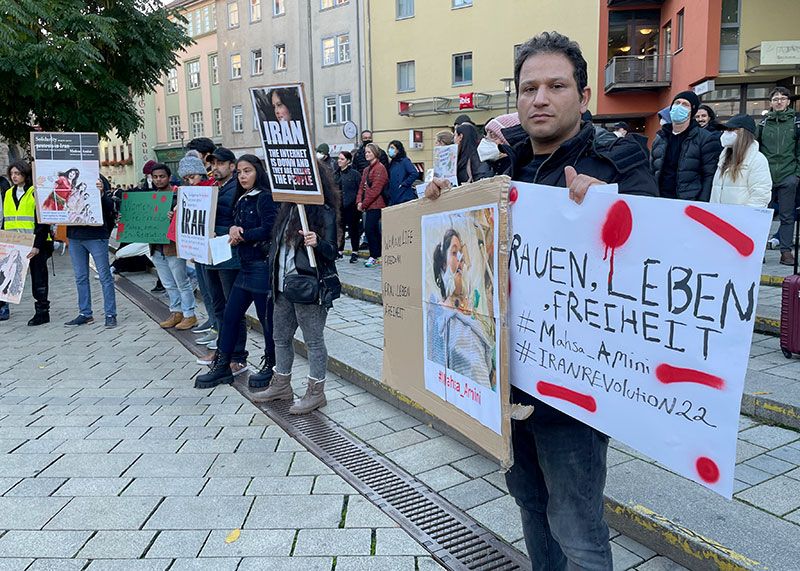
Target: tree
79,65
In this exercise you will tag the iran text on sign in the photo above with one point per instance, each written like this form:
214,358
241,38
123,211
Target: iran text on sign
635,316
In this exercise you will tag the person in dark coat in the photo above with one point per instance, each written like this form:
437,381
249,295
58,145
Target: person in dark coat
402,175
470,168
707,119
324,156
684,157
360,162
347,178
370,200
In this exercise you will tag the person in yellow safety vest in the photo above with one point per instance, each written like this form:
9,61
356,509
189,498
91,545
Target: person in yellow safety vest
19,215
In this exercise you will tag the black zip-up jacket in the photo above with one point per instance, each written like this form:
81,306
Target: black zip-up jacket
348,181
255,213
697,164
225,201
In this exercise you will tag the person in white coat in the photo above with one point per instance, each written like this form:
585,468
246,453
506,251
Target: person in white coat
742,175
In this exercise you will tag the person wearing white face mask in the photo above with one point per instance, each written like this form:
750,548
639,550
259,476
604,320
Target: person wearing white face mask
742,175
684,157
324,156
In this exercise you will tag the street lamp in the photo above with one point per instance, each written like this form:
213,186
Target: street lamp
507,83
182,134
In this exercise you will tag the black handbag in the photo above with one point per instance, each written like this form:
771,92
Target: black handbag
299,288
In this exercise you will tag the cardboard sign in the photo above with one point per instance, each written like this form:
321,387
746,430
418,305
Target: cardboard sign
14,250
194,227
66,169
445,287
286,136
635,316
445,163
143,217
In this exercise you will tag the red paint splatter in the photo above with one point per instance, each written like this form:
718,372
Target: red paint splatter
155,196
120,228
578,399
707,469
668,374
163,199
616,231
124,196
739,240
513,195
155,209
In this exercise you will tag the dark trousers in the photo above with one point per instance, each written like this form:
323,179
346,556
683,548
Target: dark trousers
351,221
786,190
236,307
220,286
557,480
372,227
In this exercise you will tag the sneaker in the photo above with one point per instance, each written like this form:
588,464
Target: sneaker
239,368
372,262
81,320
353,258
213,344
208,359
210,336
204,328
158,288
773,244
111,321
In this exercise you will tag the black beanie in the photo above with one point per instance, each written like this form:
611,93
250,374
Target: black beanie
692,98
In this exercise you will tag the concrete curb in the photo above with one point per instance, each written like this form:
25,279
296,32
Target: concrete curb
768,280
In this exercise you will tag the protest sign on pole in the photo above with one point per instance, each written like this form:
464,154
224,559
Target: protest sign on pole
635,315
445,163
14,250
445,291
66,169
196,213
143,217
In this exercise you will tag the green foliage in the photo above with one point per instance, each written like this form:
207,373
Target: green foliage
79,65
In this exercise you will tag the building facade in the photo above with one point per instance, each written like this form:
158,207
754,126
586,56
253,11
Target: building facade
121,161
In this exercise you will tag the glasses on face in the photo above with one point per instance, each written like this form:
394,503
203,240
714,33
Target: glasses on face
779,99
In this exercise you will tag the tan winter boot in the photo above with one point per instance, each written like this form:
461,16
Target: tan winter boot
174,318
280,388
313,399
186,323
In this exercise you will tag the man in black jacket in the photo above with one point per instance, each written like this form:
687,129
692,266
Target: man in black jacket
685,157
360,162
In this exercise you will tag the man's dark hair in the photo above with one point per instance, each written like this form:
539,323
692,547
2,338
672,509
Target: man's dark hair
553,43
779,90
203,145
24,168
366,131
161,167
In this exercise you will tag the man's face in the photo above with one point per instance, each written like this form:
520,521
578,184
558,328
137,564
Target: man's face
548,103
223,169
160,179
779,102
366,137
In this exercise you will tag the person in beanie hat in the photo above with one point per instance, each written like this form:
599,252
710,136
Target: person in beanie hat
684,157
205,147
192,170
743,172
324,156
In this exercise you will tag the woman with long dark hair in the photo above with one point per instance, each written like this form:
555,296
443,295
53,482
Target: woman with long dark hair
402,175
742,175
253,219
470,168
284,104
374,181
303,295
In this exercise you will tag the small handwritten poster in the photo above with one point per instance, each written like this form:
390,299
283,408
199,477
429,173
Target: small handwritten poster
196,211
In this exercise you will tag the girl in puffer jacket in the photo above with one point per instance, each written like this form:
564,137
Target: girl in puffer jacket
742,175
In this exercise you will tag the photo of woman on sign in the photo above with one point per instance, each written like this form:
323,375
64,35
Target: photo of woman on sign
65,183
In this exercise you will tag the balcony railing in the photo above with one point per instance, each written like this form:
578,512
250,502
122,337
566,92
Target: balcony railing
638,72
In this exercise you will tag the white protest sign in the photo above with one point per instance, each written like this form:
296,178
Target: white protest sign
635,316
196,211
445,162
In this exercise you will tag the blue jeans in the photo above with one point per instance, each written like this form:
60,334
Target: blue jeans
172,273
202,283
79,251
557,480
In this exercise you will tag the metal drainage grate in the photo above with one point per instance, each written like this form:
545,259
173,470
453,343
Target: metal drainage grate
452,537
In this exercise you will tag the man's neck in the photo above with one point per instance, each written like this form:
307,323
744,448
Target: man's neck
161,189
550,146
678,128
223,182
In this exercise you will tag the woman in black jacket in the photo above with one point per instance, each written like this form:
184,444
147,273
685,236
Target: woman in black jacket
253,218
469,168
303,294
347,179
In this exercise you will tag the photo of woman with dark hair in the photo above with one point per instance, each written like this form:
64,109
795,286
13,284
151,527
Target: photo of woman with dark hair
285,104
11,275
66,182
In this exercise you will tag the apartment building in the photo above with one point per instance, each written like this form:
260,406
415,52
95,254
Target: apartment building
121,161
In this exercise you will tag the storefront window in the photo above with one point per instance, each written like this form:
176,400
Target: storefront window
633,32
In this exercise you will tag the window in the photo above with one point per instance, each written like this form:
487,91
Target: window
729,37
207,27
338,109
462,69
278,8
172,80
345,108
236,66
325,4
213,68
237,119
255,10
679,35
174,124
330,110
404,9
189,26
233,15
405,76
461,3
666,33
633,33
193,73
196,123
336,49
256,62
217,122
279,57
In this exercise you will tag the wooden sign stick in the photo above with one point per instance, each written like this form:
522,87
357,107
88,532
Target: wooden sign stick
301,209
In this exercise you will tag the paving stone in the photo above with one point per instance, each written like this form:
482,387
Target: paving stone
93,487
442,477
635,547
476,466
787,453
287,564
113,427
90,465
216,564
779,495
363,513
225,487
7,483
24,465
129,565
428,431
7,445
501,516
750,475
429,454
241,432
171,465
428,564
281,486
86,446
660,564
165,487
623,559
56,565
191,420
148,446
27,512
770,464
498,480
359,416
164,433
471,494
37,487
769,436
215,446
177,544
251,543
372,430
42,446
396,542
283,445
42,543
331,484
275,512
206,512
117,545
251,465
306,464
376,563
397,440
120,513
339,541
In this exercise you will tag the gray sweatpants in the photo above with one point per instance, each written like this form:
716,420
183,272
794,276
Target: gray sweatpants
311,319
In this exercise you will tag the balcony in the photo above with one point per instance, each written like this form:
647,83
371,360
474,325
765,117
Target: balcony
624,3
638,73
